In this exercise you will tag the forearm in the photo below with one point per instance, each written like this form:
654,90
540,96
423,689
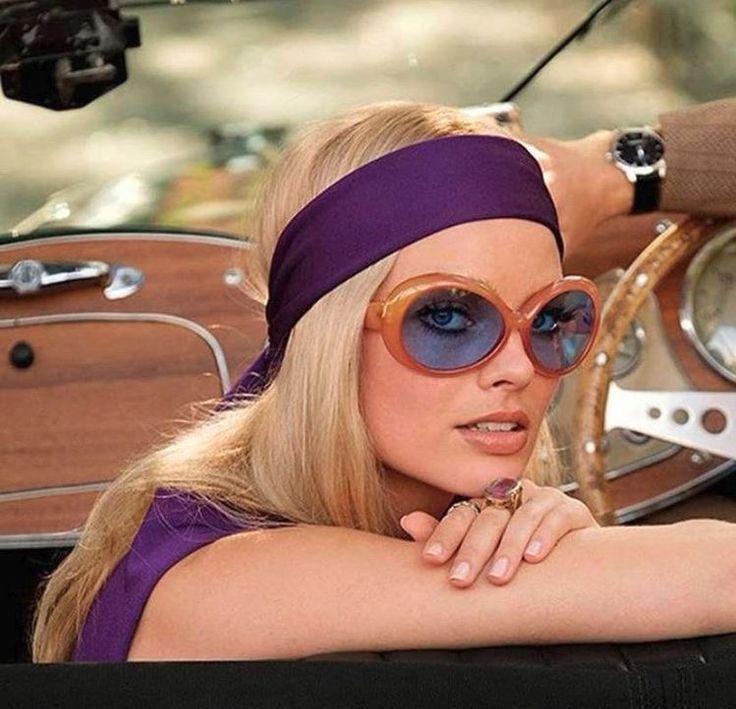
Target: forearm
701,159
306,590
644,583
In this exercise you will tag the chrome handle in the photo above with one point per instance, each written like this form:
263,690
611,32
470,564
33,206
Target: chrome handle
28,277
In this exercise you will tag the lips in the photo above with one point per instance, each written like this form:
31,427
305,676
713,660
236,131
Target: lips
516,416
498,442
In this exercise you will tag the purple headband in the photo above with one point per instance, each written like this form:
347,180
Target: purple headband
382,207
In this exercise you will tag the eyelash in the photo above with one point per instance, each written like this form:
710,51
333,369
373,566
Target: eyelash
427,310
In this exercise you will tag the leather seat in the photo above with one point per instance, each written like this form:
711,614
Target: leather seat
679,674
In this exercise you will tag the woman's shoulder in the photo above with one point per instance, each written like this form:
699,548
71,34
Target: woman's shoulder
251,582
176,524
179,523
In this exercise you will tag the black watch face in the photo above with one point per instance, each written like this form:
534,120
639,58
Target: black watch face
639,149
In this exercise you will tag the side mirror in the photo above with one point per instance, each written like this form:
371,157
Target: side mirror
63,54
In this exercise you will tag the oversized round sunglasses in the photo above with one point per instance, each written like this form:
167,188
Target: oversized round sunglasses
444,323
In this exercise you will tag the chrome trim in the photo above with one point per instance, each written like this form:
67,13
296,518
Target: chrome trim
687,306
47,539
667,499
632,467
196,328
55,491
644,462
40,541
127,236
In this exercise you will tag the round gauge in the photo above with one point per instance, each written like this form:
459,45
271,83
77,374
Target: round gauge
629,350
708,310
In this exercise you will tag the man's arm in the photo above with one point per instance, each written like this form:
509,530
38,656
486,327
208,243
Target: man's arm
701,159
588,190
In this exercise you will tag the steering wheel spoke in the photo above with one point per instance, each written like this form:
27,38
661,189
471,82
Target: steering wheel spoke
703,421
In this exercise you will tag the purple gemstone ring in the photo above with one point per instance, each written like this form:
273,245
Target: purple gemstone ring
504,494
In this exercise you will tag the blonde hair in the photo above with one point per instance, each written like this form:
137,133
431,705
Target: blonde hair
263,457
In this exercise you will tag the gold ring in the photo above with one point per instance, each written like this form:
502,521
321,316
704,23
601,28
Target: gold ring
464,503
504,494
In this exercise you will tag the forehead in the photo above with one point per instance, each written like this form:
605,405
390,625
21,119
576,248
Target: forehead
515,256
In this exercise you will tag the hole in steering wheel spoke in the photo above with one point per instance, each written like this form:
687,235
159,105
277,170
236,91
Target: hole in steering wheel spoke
714,421
680,416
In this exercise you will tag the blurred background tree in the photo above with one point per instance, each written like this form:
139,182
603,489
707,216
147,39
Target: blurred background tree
696,44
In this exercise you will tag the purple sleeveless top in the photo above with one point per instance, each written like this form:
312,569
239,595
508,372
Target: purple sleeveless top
176,524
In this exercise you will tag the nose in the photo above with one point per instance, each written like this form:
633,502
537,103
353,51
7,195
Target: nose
509,368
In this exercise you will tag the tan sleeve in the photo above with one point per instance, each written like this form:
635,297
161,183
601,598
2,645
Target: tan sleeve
701,159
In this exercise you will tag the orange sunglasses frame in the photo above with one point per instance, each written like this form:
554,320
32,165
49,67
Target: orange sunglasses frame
386,316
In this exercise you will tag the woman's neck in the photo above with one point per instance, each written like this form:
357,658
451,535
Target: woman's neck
408,494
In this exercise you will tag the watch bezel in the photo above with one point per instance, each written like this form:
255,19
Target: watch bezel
635,171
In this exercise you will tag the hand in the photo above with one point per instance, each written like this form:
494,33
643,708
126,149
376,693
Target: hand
545,516
586,188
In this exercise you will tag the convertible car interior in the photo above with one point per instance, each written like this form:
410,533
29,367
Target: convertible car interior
114,333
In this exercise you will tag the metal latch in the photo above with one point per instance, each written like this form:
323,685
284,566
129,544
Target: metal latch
30,277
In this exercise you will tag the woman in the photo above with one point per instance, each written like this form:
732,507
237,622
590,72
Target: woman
355,416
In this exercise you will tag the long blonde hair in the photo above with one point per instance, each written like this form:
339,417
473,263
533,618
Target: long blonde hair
264,456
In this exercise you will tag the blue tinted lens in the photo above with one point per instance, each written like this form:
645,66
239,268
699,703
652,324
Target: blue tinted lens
449,328
562,329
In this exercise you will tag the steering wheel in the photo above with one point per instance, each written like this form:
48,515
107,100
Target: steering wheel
675,242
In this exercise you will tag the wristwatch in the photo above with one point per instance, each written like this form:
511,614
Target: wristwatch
639,153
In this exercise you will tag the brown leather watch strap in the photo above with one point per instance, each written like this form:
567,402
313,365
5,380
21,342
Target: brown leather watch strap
701,159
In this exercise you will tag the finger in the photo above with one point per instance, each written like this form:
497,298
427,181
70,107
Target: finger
574,515
518,535
535,529
478,545
449,533
418,525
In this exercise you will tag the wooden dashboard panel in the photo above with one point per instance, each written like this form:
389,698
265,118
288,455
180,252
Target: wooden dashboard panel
111,377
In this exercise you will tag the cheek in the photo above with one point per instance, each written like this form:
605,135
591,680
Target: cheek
399,405
539,396
545,389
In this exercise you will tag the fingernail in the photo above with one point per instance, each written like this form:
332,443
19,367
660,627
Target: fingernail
434,549
534,547
461,571
499,568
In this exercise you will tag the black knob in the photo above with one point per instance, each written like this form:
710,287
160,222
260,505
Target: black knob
21,355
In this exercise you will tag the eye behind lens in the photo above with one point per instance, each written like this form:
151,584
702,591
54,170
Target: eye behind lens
448,329
561,347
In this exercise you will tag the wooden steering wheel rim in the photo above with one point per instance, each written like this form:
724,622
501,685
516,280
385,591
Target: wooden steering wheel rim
675,242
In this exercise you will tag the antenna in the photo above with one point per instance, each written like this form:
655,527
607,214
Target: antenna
577,33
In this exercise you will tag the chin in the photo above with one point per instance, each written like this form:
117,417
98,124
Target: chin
477,475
